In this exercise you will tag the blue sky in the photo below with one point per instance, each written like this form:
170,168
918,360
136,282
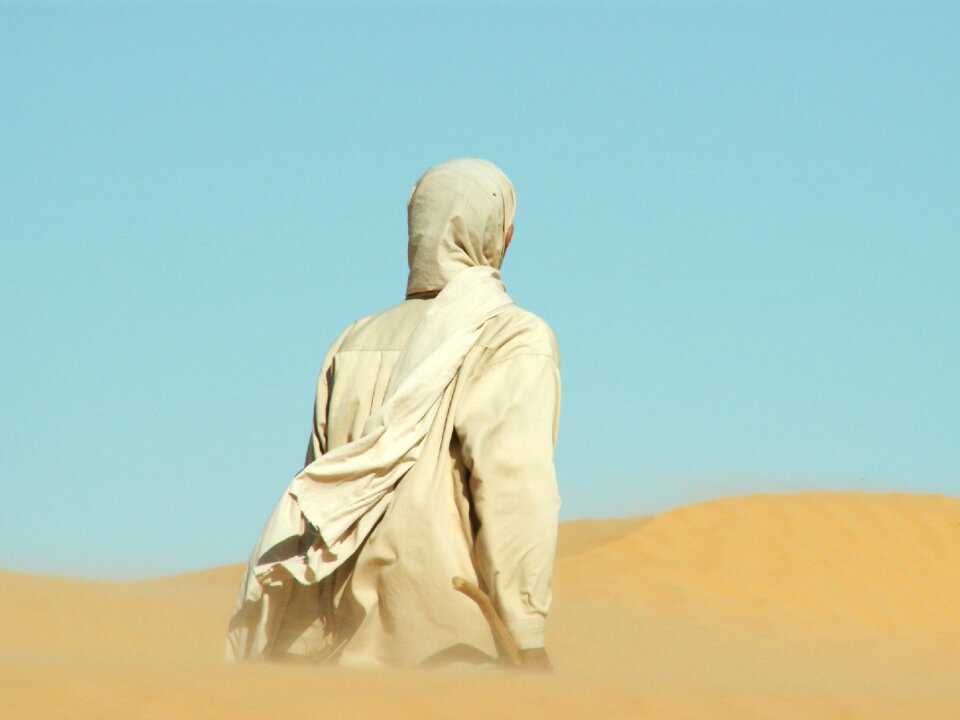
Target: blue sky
742,221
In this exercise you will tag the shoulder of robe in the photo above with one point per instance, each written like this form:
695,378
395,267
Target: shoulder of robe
334,347
385,330
515,332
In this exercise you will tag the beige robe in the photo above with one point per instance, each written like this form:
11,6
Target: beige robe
481,500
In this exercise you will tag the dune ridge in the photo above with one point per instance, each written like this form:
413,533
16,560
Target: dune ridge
826,605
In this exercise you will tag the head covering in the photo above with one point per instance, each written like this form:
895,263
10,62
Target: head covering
457,217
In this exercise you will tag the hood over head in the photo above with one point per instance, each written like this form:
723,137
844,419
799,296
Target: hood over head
457,217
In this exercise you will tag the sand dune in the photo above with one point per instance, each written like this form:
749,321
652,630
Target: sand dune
816,605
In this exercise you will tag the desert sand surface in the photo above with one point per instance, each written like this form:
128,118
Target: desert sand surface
813,606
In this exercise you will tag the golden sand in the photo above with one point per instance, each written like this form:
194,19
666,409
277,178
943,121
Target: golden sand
812,606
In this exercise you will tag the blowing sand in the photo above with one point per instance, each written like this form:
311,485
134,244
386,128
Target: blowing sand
813,606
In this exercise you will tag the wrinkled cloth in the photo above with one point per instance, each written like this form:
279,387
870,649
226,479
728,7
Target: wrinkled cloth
430,456
457,216
339,496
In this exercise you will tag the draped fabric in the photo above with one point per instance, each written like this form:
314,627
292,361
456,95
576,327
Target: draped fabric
330,507
414,441
457,217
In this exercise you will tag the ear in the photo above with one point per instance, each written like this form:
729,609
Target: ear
507,238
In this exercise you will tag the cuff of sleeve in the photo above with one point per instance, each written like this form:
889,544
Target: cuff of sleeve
528,633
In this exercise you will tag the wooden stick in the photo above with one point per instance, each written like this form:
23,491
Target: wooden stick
500,632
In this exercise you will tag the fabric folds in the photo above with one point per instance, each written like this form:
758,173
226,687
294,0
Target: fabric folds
430,456
331,506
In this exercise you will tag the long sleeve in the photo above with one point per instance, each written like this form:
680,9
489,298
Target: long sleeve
317,444
507,430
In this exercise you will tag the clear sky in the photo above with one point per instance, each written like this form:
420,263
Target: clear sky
742,220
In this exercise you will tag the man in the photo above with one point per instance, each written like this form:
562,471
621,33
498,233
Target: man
430,457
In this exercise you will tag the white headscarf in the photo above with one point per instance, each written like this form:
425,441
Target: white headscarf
457,217
458,214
